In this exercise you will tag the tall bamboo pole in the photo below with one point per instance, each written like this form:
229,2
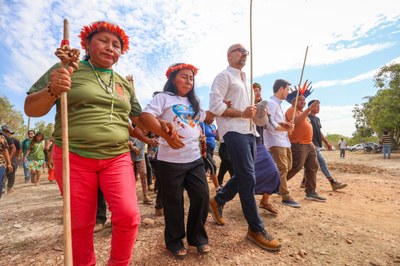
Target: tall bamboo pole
251,60
298,89
66,172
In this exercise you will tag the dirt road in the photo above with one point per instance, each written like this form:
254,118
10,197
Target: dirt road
357,226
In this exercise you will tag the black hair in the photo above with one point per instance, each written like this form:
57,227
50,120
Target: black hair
35,140
171,87
310,102
280,83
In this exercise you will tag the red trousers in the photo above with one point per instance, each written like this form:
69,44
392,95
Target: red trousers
115,178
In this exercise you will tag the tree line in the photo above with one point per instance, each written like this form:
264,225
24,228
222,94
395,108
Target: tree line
14,119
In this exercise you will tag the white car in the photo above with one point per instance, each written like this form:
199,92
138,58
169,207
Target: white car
356,147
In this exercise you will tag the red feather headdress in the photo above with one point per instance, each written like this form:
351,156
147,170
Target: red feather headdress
104,26
177,67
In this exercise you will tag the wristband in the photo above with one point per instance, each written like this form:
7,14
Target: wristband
50,93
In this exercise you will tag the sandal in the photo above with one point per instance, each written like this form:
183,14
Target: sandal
203,249
180,253
269,207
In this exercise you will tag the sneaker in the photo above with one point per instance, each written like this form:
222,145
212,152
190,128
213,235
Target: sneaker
216,212
314,196
337,185
264,240
303,183
291,203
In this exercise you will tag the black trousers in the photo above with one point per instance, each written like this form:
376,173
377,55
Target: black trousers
174,178
226,164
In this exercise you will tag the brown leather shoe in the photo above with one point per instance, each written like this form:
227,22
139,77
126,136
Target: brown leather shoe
264,240
216,212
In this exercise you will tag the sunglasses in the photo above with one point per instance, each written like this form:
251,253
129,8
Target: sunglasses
241,50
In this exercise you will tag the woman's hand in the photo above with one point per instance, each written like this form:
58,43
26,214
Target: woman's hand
60,80
169,128
175,142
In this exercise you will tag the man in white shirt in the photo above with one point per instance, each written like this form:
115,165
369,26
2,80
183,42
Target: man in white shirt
277,142
342,145
234,127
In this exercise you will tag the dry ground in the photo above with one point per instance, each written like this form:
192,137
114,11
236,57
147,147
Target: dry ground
357,226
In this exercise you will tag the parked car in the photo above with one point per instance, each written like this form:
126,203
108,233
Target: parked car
356,147
372,146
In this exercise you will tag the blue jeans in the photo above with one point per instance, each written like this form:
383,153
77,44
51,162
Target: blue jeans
322,163
242,152
27,172
386,148
2,174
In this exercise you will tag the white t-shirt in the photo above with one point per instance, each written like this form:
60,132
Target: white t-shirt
178,110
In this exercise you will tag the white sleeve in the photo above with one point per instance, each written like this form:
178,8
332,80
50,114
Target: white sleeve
219,89
156,105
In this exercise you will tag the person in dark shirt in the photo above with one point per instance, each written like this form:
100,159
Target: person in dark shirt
14,152
317,140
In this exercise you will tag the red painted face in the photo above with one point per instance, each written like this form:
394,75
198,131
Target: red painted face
104,49
184,82
301,102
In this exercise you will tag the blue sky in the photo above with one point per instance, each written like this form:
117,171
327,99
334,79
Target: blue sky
348,42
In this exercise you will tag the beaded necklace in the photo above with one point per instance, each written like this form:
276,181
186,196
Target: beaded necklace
108,88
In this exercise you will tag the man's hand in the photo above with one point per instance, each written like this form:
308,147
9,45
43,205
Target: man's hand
9,168
328,146
250,111
288,126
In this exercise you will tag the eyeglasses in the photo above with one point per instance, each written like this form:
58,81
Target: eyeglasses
241,50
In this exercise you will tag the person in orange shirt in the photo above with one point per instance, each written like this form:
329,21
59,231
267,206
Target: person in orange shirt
303,150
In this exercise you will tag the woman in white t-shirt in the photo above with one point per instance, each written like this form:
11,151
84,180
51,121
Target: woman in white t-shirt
180,168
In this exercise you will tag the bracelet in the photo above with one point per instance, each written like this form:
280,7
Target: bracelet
50,93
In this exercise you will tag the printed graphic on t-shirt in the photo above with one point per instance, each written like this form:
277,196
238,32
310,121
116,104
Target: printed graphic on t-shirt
120,92
184,114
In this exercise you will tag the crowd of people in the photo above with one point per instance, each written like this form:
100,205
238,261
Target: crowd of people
113,143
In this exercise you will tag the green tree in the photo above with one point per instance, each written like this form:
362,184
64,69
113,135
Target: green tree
14,119
47,130
381,112
11,117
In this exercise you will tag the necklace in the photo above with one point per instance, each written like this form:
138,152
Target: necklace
108,88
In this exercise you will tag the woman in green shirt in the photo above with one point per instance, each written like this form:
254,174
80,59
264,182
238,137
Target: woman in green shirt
36,157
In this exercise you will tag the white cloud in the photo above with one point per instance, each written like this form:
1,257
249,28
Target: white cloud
199,32
336,119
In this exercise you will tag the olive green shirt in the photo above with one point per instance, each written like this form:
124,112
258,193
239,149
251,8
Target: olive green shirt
91,133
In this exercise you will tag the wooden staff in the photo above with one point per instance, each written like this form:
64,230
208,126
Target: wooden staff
251,59
298,89
65,172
